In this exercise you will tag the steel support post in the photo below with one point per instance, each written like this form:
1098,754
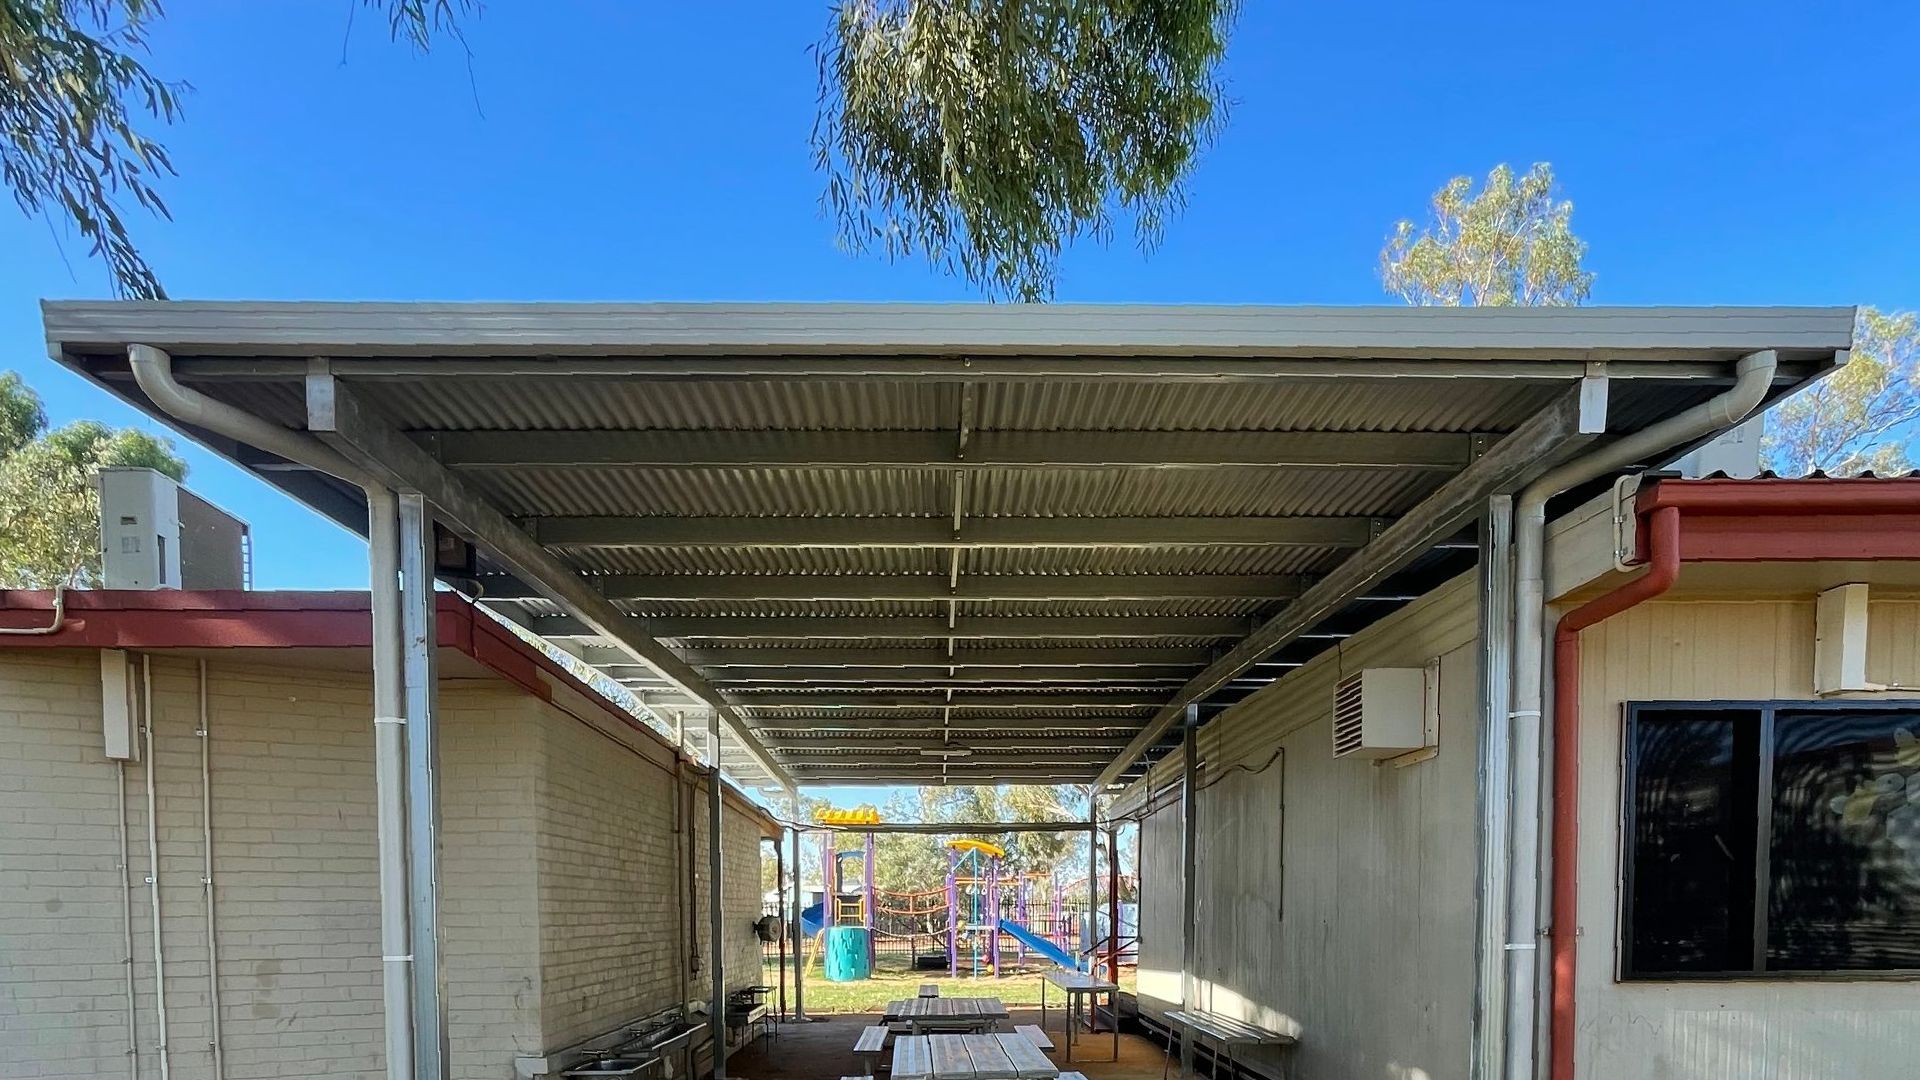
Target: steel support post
716,907
420,642
1189,886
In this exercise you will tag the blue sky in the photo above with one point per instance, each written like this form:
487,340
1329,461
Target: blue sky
1758,152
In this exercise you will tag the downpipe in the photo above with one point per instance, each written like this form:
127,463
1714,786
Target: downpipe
126,925
205,733
153,868
1753,375
153,371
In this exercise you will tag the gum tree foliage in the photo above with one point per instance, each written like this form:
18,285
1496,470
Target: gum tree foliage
1860,418
1509,243
49,506
74,92
986,135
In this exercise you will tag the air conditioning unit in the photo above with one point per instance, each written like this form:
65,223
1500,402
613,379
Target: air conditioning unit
155,534
1380,713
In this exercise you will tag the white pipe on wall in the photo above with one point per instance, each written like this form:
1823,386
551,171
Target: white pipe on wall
126,923
153,371
1529,743
206,880
153,867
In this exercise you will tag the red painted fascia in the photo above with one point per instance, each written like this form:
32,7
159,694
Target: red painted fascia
1810,520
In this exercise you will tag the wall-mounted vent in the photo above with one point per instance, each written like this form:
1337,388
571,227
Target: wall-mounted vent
1380,713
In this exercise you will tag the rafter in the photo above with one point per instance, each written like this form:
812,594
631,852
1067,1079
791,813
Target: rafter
839,628
926,587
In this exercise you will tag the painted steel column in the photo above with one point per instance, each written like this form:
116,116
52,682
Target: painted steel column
390,780
1093,876
873,945
1189,887
829,884
953,915
799,933
1496,648
780,905
716,912
420,686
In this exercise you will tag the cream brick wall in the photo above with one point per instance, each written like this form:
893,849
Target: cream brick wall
560,905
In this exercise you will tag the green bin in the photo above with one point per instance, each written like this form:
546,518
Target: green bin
847,958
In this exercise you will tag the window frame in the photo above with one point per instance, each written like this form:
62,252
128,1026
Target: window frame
1627,823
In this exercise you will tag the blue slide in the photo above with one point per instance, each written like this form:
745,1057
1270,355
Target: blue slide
1040,945
810,921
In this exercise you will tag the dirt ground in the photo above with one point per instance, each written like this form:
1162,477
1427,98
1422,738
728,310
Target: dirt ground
824,1051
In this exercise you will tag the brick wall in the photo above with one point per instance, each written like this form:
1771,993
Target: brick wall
560,905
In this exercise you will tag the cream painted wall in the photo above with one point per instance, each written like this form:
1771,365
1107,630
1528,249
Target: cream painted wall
560,887
1336,895
1761,1029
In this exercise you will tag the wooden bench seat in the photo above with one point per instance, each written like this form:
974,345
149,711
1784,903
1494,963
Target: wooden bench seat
1034,1035
871,1044
929,990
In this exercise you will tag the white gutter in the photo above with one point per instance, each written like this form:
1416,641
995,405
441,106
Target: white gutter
1529,745
153,371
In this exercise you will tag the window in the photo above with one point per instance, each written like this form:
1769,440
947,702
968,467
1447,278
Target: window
1771,838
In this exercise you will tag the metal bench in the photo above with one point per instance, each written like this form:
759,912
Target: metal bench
1226,1031
1034,1035
871,1044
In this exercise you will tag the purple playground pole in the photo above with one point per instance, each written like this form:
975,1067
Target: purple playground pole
873,947
1020,912
993,913
953,916
1053,910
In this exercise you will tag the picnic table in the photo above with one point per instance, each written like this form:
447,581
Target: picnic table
969,1057
1080,988
1226,1031
922,1015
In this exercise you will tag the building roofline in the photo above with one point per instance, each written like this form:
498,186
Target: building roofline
301,329
233,619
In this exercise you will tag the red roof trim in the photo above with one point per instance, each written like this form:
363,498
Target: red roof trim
1813,519
228,619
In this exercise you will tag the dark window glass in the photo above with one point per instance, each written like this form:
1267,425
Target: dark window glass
1845,852
1695,805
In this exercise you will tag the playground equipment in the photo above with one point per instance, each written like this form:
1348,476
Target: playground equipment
980,914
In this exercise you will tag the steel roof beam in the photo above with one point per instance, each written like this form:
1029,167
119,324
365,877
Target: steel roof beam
842,774
1090,657
969,699
936,449
1024,725
836,628
1542,439
730,677
930,587
337,415
938,533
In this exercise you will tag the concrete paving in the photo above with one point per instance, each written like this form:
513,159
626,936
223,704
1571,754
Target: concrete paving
824,1051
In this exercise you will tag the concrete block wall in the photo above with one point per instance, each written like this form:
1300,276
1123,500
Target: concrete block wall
542,944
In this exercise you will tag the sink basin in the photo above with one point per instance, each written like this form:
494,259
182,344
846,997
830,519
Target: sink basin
664,1034
612,1066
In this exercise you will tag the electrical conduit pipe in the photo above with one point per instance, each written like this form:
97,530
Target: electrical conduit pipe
1753,375
153,371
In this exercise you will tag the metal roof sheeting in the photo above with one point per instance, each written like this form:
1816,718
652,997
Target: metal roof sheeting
1407,398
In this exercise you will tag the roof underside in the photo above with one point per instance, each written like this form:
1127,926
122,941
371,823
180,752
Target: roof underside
910,544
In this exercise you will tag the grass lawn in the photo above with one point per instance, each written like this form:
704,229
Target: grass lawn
1016,987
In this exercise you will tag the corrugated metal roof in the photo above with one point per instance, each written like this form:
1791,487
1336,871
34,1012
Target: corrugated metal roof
1395,401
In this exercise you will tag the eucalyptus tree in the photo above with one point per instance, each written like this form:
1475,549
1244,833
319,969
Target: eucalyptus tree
1860,418
985,135
1509,243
